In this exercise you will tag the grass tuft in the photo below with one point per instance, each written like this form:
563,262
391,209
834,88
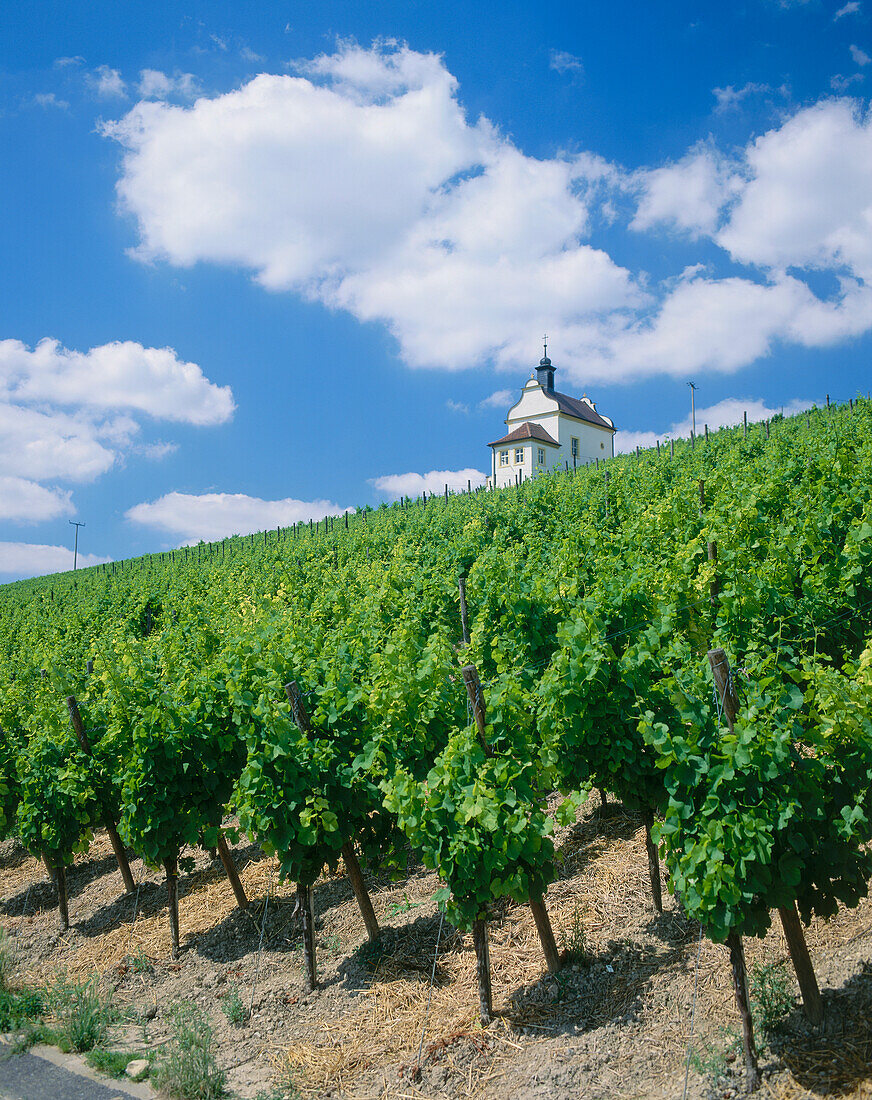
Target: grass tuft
186,1069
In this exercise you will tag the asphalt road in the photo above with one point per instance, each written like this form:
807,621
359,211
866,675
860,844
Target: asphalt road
31,1077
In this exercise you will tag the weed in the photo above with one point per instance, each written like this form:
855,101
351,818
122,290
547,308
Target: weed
113,1063
712,1060
573,940
186,1069
17,1007
280,1092
771,994
140,963
283,1089
82,1013
6,959
232,1006
397,907
332,944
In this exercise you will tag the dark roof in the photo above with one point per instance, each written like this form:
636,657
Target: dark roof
526,431
572,406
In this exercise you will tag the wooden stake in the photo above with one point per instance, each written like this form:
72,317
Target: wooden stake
767,429
232,873
464,618
713,587
108,820
701,496
745,423
171,867
482,956
740,987
60,877
724,685
672,448
352,868
306,906
802,964
653,862
476,699
298,709
546,934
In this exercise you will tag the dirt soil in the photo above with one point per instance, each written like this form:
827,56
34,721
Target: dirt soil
644,1000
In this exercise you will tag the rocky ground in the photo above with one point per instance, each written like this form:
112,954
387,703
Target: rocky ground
643,1002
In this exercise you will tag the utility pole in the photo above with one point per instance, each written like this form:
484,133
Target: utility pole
76,547
693,405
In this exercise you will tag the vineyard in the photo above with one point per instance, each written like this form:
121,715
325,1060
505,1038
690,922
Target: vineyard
455,685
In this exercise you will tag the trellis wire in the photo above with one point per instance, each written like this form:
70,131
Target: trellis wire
692,1015
430,992
260,945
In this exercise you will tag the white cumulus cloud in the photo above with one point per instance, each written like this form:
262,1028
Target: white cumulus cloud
499,399
27,559
210,516
395,486
121,375
107,83
807,201
154,84
71,416
26,501
361,183
688,195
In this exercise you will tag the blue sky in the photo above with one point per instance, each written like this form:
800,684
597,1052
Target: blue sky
266,261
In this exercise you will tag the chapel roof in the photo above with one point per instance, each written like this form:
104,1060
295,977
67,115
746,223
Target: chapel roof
574,406
526,431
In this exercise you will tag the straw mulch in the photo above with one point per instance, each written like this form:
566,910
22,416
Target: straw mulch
614,1023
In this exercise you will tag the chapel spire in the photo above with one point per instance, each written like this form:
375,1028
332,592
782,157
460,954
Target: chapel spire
545,371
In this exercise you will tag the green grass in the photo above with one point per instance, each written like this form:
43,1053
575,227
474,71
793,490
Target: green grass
771,994
20,1006
82,1015
572,940
112,1062
232,1006
186,1068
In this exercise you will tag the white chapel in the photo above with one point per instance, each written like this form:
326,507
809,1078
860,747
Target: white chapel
547,429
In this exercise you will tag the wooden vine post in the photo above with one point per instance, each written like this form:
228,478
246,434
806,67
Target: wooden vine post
653,862
306,908
537,905
231,872
349,857
790,922
60,876
111,828
464,615
726,694
171,868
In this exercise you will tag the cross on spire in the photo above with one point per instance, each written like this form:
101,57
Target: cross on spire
545,344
